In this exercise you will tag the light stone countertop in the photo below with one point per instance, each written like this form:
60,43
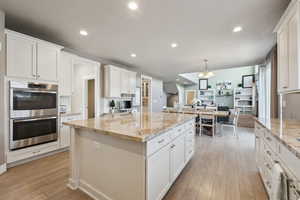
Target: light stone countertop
287,135
139,127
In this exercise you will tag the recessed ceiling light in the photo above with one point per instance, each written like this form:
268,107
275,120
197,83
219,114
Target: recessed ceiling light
133,55
133,5
237,29
83,32
174,45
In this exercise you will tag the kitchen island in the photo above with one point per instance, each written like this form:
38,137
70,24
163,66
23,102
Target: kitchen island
130,157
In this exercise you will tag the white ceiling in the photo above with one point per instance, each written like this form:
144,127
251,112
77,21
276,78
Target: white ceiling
202,28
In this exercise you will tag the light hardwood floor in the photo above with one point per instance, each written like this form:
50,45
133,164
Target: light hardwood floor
223,168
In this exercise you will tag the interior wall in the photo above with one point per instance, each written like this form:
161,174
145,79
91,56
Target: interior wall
2,72
233,74
80,71
158,98
181,94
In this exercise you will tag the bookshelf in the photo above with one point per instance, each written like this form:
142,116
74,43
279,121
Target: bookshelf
207,97
244,98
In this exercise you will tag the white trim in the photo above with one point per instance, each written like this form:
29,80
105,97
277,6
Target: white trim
3,168
92,192
24,36
286,15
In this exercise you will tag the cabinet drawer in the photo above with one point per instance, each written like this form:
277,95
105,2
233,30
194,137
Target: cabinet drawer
271,141
31,152
177,131
158,142
290,160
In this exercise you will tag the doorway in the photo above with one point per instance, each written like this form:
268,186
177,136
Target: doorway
146,83
91,98
89,103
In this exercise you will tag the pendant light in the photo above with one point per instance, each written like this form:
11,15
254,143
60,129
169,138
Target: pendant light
206,73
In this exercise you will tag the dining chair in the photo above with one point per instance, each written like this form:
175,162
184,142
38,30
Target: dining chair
206,120
232,122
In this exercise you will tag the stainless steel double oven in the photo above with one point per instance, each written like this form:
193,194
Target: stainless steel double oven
33,114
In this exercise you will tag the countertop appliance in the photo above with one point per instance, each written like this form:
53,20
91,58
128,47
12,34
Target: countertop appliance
33,114
125,106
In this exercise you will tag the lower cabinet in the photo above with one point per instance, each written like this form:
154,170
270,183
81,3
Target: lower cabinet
177,156
158,176
268,152
167,156
65,139
65,131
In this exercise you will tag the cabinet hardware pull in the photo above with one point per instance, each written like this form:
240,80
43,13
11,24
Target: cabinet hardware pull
269,153
160,141
172,146
269,139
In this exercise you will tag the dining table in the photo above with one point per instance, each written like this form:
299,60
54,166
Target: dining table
215,113
201,113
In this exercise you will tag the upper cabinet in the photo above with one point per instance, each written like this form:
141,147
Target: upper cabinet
65,73
288,49
21,60
118,82
31,58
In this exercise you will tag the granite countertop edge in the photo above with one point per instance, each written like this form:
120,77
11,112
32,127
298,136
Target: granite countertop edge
130,137
294,150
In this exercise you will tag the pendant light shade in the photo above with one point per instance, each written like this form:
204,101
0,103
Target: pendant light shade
206,73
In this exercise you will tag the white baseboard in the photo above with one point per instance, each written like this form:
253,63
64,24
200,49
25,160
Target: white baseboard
26,160
3,168
92,192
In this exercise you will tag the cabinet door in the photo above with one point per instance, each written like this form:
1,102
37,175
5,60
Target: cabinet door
115,83
65,138
158,174
177,157
47,62
283,61
21,57
293,31
125,81
132,82
65,74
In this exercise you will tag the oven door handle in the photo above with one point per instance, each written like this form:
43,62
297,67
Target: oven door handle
35,91
35,119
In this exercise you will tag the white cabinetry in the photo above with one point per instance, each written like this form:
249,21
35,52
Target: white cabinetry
288,49
47,61
158,176
21,61
65,74
177,157
65,131
269,151
112,81
31,58
125,89
167,156
118,81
